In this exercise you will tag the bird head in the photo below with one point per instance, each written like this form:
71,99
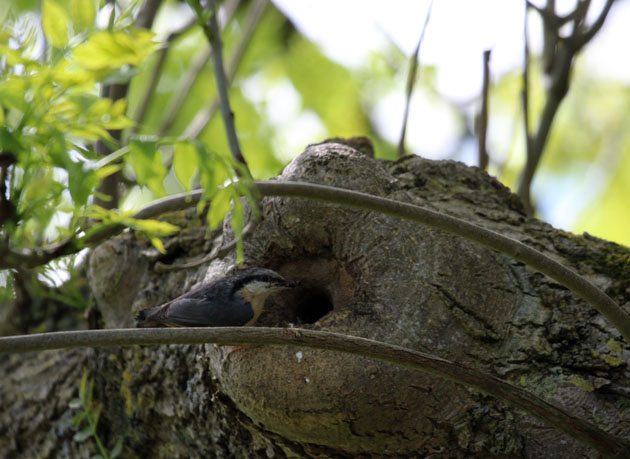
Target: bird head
256,284
260,282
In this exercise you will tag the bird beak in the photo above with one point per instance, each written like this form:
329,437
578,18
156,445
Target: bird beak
290,284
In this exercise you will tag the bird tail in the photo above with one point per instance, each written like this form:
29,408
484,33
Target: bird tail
144,318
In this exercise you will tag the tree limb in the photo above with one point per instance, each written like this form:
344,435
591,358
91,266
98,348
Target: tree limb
510,247
552,415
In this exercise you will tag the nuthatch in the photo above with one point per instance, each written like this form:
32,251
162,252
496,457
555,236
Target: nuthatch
230,301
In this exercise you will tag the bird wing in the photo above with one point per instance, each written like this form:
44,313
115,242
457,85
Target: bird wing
199,312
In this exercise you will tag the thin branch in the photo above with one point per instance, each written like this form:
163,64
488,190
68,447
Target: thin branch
581,39
147,13
525,91
550,414
510,247
211,30
553,20
219,251
187,81
482,125
205,114
558,89
411,79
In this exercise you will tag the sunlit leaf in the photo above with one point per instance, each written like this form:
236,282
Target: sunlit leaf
55,23
111,50
83,14
237,225
157,243
185,163
81,182
219,206
147,165
107,170
153,227
12,93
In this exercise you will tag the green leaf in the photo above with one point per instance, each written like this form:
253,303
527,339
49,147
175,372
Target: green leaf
219,206
83,14
55,22
83,385
75,404
82,435
147,165
152,227
157,243
81,182
238,217
12,93
117,449
185,163
96,414
78,419
108,170
111,50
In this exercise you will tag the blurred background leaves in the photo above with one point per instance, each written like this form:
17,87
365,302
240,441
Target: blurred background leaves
288,89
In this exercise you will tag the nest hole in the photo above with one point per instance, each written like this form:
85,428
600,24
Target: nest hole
312,304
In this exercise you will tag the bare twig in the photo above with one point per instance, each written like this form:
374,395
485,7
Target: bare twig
581,430
187,81
411,79
147,13
482,124
525,90
205,114
219,251
558,88
211,30
581,39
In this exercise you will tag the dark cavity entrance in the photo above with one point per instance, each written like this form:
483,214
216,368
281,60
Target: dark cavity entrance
312,304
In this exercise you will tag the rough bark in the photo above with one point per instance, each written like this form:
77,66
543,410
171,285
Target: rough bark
363,274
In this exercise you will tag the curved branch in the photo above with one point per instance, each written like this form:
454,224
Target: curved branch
511,247
554,416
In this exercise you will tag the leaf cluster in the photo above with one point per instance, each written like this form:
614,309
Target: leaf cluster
85,422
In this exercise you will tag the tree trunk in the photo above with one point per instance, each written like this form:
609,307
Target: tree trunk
362,274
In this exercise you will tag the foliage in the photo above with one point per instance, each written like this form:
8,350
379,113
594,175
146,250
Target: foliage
52,120
55,124
89,417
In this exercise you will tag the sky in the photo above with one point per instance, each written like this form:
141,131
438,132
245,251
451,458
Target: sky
456,36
